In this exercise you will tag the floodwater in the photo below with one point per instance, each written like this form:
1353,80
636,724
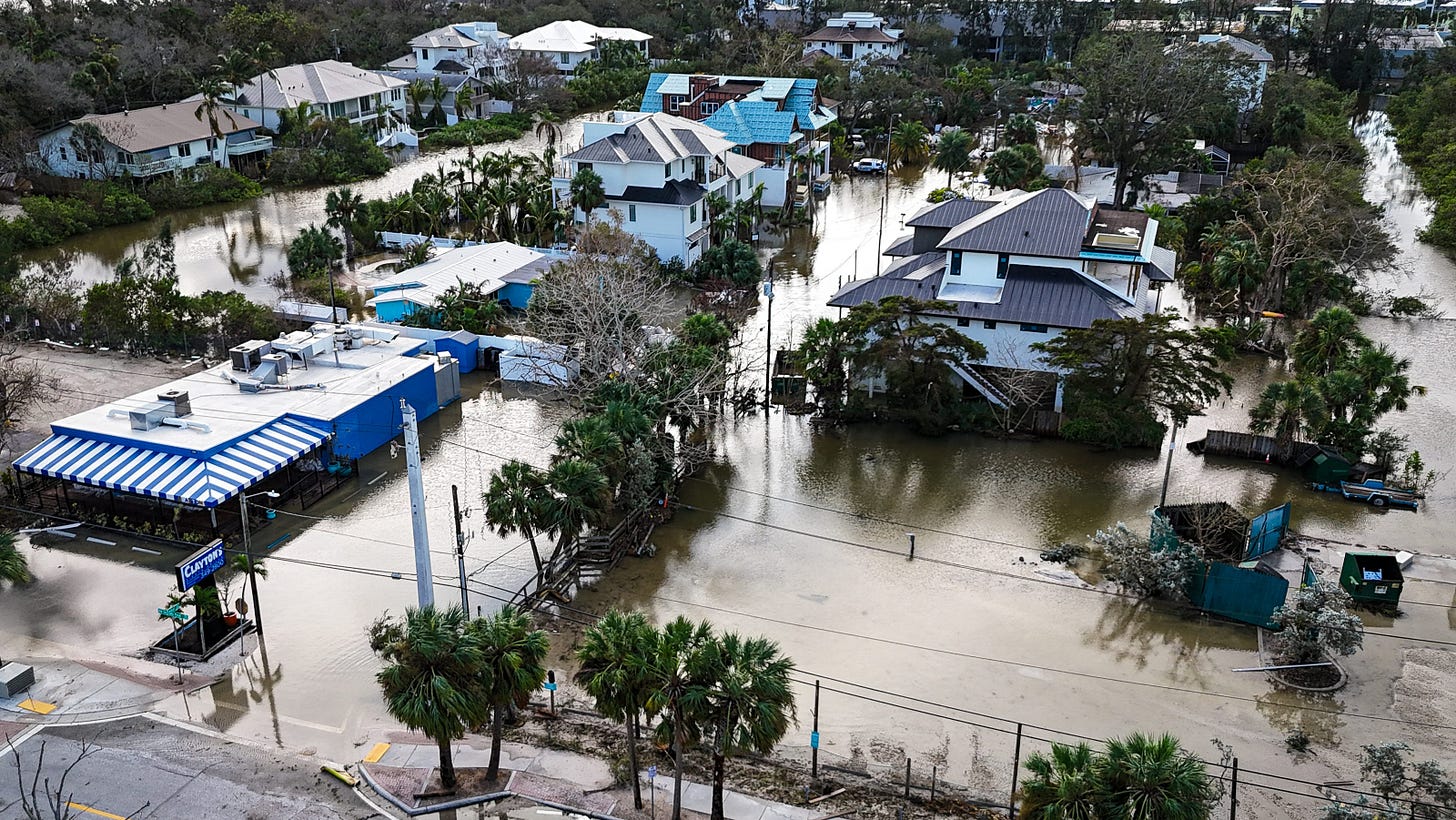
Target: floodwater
240,246
799,533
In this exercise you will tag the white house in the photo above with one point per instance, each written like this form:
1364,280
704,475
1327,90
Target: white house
1021,268
330,89
477,49
657,171
569,43
504,271
856,37
147,142
1257,62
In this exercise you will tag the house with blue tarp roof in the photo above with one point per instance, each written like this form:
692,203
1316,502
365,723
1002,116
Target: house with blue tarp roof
778,121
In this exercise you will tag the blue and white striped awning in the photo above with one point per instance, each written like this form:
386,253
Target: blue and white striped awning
204,482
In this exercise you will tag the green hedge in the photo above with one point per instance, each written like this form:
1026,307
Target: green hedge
210,185
52,220
498,128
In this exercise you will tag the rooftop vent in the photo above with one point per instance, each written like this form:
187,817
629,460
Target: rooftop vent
248,355
1117,241
179,399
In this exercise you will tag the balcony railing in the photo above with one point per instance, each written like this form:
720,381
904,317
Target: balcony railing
249,146
157,166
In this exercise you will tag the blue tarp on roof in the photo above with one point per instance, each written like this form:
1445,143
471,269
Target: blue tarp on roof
204,482
751,122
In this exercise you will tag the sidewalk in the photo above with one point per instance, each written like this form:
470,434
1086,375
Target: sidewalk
698,797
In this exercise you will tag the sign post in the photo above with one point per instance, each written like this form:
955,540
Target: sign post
652,789
175,614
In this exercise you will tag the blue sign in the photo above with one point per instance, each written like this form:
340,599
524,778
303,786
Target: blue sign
549,687
651,772
200,564
813,740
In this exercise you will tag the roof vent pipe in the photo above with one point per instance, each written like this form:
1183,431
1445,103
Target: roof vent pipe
188,425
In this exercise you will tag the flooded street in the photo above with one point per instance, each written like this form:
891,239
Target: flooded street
799,533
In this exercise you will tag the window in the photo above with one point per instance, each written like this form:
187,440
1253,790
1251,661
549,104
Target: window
963,322
708,108
692,215
565,58
211,144
631,212
955,263
583,166
424,54
674,102
1030,328
184,150
1002,263
63,152
336,109
989,325
395,95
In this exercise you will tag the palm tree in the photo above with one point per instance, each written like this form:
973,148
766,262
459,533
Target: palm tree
236,68
579,497
513,657
417,93
295,118
515,502
1020,130
1327,342
13,566
1240,267
591,440
907,143
678,689
432,680
1285,408
342,207
953,153
613,657
463,101
587,191
1142,776
213,89
1384,381
548,128
750,704
1014,167
438,93
1060,787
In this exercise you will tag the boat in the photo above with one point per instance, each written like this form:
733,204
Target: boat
870,165
1374,492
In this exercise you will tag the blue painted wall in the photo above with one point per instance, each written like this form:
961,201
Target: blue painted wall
393,311
515,295
372,423
464,352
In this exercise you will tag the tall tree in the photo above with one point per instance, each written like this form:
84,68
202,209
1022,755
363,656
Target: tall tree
515,502
1122,375
587,192
1018,166
953,153
679,689
343,208
1144,101
1134,777
908,144
578,497
614,659
512,666
750,704
432,679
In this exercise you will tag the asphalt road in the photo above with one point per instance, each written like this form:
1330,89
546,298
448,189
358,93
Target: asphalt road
140,768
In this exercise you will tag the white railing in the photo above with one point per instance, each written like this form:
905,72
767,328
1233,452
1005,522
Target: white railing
250,146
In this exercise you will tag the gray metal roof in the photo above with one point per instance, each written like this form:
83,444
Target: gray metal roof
1056,297
947,214
1050,222
655,137
1164,264
904,246
675,192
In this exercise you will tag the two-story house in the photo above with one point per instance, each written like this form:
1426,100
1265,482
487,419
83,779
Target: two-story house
857,38
778,121
477,49
147,142
1021,268
330,89
657,171
569,43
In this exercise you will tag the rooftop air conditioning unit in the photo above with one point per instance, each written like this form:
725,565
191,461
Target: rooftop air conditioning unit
249,355
180,401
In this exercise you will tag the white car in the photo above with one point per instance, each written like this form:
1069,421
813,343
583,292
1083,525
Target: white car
870,165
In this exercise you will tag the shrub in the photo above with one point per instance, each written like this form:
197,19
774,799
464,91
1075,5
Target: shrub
209,185
499,128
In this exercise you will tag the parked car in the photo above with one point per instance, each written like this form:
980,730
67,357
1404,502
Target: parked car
870,165
857,142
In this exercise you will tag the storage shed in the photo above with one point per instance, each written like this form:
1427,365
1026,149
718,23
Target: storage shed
1372,577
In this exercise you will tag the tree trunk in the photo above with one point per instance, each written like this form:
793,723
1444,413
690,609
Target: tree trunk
631,725
447,764
677,763
497,720
717,785
535,553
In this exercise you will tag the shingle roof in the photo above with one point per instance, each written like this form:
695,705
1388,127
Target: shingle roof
444,37
740,166
451,81
1056,297
657,138
1253,51
573,36
1050,222
948,214
161,125
323,82
675,192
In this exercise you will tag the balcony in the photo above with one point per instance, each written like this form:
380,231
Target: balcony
252,146
165,165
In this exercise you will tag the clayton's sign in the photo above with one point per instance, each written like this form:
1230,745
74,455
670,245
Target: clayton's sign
200,564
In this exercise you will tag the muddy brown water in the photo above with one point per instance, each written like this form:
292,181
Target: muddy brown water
800,532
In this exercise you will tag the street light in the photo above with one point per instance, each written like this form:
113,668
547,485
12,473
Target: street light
248,554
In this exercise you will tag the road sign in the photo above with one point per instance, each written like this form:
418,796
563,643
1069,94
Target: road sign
549,687
651,772
174,612
813,740
241,607
200,564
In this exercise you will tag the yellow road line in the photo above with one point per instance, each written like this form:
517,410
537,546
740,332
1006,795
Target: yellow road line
376,753
40,707
98,812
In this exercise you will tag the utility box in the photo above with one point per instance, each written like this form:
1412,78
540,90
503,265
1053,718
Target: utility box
15,678
1372,577
149,416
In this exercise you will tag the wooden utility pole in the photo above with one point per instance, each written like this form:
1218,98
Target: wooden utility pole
460,549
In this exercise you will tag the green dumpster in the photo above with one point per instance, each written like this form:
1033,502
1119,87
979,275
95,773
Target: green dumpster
1372,577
